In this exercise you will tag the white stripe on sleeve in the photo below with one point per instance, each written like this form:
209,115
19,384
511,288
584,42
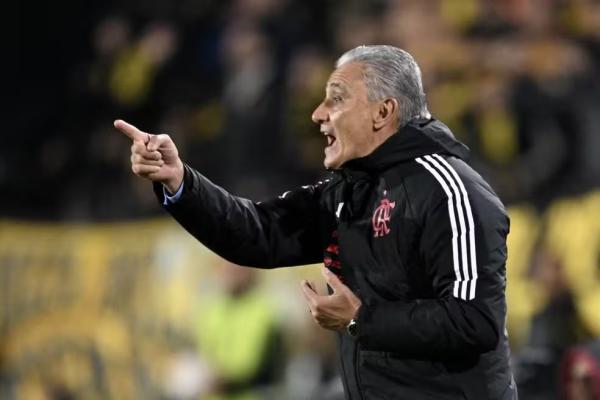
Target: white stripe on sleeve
471,226
456,192
462,223
458,281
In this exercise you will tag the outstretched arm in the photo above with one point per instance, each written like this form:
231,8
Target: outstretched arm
280,232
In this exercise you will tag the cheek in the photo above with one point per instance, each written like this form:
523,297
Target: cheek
356,130
347,121
352,126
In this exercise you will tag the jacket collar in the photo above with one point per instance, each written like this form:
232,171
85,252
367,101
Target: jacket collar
417,138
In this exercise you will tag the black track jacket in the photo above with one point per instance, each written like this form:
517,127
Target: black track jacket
416,233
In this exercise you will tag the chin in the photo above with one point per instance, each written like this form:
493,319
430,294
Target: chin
333,161
330,164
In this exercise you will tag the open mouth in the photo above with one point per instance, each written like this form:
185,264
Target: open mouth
330,140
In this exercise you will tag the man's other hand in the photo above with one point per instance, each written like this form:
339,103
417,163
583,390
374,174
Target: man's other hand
154,157
333,311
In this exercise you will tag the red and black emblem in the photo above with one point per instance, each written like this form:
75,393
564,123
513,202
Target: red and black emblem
331,257
381,216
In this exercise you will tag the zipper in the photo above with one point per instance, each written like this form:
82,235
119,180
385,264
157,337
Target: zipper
356,368
343,365
356,384
341,338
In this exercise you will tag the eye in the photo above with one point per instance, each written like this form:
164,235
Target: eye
337,99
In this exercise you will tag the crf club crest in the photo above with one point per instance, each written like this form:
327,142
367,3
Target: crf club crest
381,216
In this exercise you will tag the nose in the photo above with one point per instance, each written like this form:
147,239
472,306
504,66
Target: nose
320,115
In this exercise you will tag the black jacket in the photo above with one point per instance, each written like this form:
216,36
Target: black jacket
416,233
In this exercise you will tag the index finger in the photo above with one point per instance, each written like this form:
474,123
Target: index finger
333,280
130,131
309,292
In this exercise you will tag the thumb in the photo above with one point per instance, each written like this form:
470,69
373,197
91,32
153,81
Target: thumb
156,141
131,131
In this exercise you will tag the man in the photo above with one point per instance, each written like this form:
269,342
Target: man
239,364
413,240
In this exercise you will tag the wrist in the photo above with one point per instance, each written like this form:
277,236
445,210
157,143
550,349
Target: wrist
356,307
352,325
352,328
172,185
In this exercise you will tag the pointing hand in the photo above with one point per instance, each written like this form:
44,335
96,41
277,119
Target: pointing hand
153,157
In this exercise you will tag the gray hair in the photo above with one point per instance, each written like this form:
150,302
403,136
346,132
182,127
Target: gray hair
391,72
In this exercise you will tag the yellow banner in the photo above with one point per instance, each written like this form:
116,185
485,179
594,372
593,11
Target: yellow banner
96,310
93,309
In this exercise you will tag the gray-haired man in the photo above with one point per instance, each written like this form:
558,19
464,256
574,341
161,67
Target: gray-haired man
413,240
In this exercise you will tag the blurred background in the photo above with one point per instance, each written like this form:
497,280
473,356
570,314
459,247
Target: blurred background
104,297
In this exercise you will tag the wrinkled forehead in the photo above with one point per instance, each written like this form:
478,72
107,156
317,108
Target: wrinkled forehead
346,77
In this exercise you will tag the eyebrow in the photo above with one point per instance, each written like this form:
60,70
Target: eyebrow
338,86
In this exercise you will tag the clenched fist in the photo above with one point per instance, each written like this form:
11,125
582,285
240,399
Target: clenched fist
153,157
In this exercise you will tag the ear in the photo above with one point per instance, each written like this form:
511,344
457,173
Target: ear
385,112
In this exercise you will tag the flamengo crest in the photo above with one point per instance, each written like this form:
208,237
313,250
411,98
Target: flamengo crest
381,216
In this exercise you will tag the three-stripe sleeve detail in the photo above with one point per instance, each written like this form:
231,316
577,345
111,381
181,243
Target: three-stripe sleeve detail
461,223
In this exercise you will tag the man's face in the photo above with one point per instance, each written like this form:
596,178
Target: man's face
345,116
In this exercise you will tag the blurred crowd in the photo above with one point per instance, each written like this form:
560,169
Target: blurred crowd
234,82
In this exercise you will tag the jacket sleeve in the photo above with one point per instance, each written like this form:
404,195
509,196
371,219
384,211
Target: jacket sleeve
276,233
463,251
